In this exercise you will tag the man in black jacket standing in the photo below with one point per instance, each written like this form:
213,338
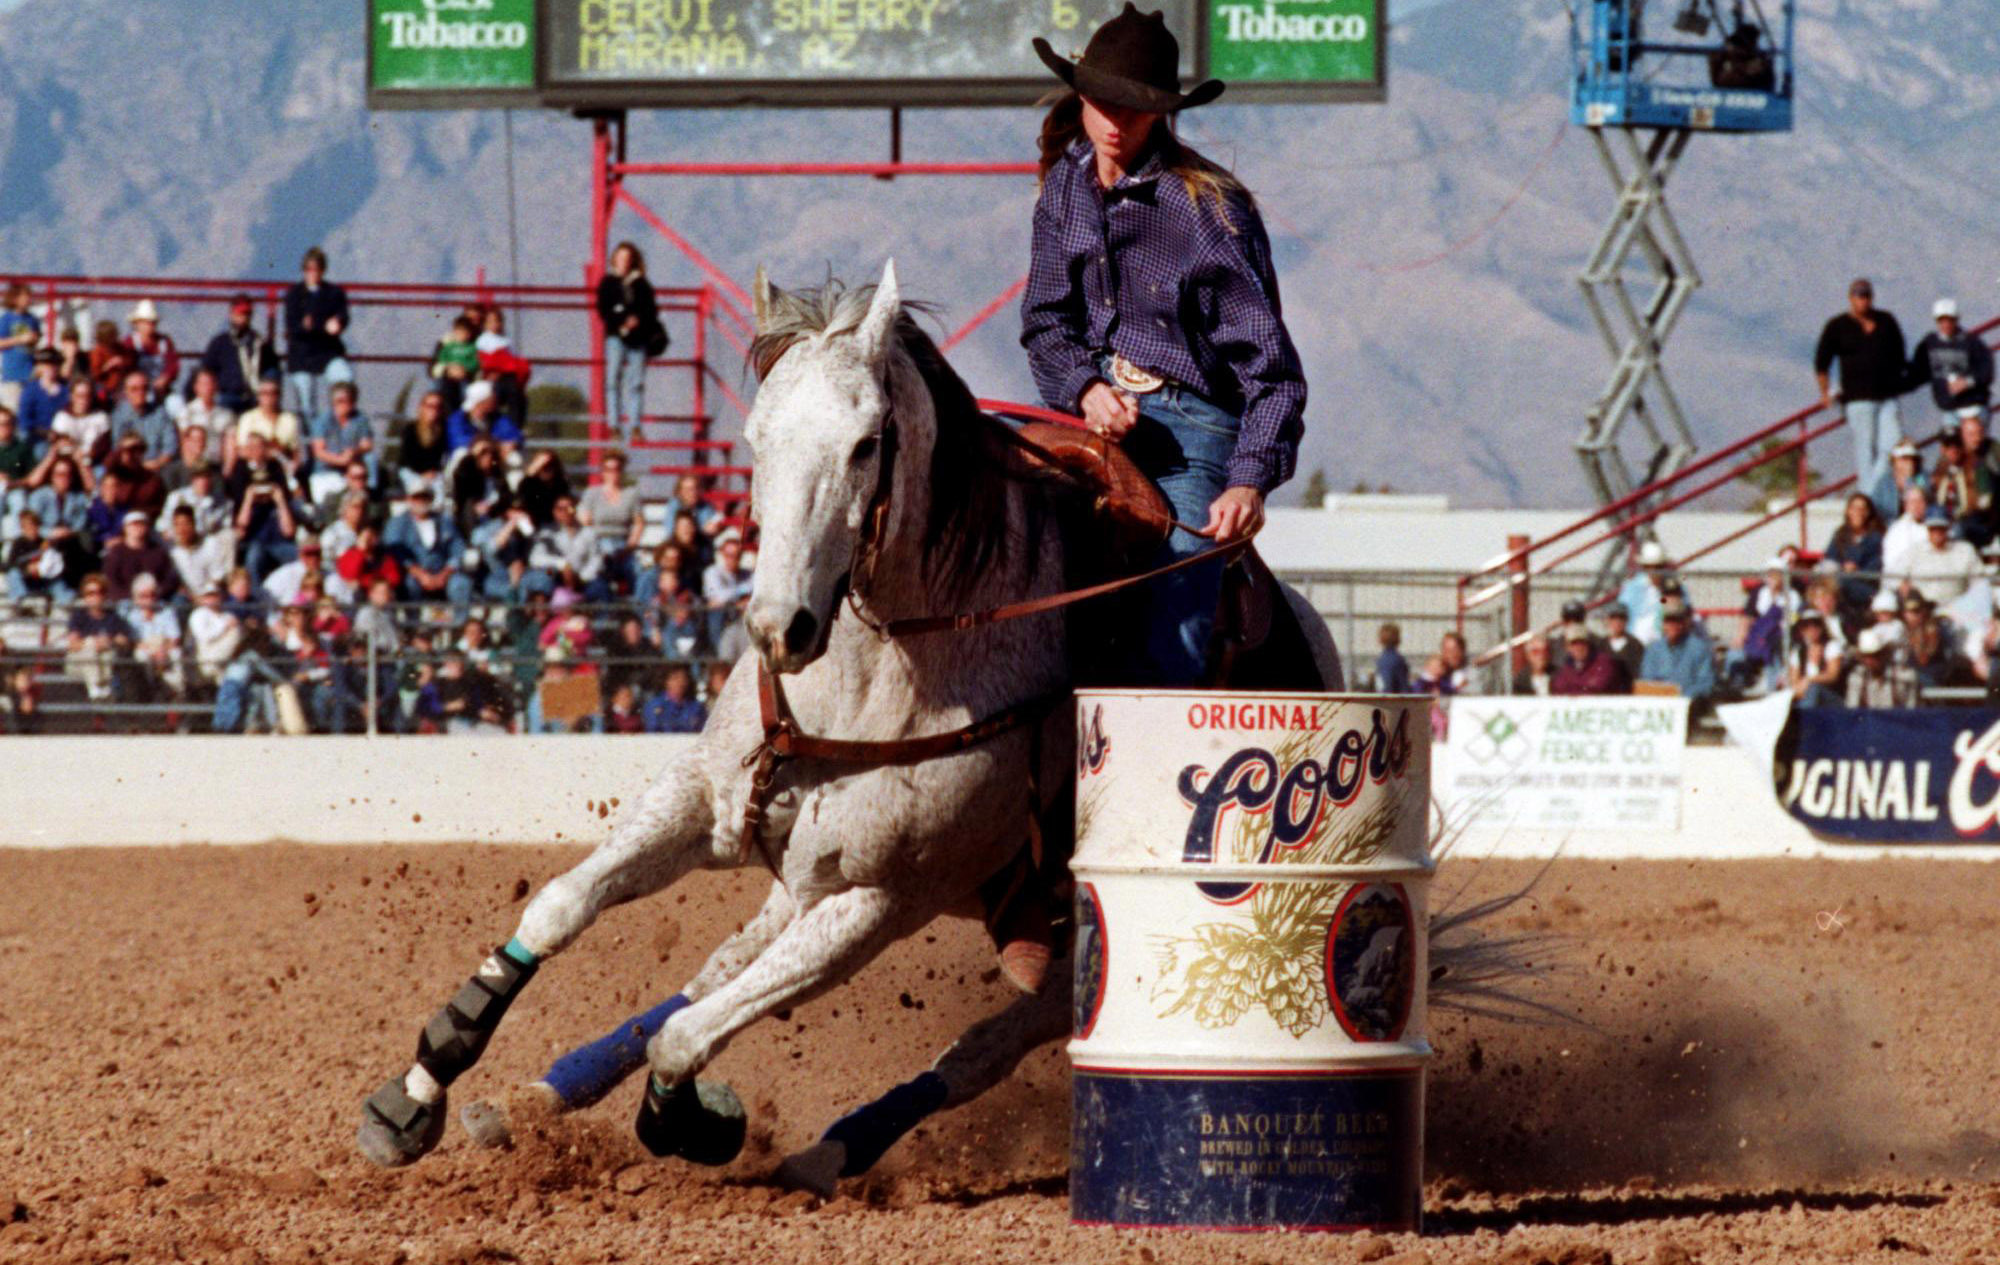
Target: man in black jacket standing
1869,345
1957,366
239,357
315,320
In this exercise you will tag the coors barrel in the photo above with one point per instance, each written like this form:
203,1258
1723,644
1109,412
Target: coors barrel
1250,960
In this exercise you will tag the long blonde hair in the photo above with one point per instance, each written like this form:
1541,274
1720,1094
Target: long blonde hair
1062,127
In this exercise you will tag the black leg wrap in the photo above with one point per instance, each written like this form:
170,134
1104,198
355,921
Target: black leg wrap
457,1035
396,1129
703,1123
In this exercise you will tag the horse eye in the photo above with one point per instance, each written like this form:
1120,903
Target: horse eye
865,449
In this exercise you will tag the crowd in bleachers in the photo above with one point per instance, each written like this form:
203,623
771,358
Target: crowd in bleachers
237,536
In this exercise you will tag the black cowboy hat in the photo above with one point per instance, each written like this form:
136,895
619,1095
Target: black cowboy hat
1134,61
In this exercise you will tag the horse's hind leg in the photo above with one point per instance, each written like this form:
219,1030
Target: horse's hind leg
986,1054
661,841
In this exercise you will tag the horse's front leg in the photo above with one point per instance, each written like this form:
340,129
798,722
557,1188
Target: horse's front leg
819,949
663,839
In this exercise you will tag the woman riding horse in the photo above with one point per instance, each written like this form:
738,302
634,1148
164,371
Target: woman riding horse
1152,310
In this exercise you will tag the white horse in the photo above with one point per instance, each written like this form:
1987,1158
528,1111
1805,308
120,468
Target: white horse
879,497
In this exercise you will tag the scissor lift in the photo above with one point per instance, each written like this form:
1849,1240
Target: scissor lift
1720,74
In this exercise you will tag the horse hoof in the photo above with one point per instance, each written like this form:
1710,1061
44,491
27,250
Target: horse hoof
486,1124
396,1129
815,1169
492,1124
699,1121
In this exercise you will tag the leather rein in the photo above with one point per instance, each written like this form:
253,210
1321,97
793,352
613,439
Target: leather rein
783,739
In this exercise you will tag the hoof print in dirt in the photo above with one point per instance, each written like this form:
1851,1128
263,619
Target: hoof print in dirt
699,1121
396,1129
814,1170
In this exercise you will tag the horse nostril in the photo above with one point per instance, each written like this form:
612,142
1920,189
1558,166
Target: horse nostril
799,634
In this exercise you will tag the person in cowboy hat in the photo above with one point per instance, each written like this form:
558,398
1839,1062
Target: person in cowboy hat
1152,310
153,353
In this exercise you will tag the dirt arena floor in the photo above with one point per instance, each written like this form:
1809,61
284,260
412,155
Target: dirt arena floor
1788,1061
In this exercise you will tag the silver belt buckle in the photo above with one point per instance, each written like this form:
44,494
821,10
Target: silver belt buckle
1130,377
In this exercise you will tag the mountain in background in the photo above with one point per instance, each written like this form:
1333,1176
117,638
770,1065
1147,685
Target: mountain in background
1427,248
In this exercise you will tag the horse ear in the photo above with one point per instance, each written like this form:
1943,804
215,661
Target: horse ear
873,332
760,300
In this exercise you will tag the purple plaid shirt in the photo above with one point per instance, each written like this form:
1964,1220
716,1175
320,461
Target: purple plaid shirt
1143,270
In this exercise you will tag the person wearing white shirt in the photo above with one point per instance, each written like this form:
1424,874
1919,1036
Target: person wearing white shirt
214,632
284,583
201,562
82,422
1900,541
1941,569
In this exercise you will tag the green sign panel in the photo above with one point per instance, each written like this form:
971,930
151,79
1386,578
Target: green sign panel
452,51
1310,43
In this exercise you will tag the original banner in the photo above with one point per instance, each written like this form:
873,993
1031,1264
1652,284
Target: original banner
1927,775
1557,763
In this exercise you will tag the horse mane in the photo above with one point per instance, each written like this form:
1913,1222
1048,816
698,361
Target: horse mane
966,530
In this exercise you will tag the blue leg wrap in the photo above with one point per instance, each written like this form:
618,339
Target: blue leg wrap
589,1072
871,1129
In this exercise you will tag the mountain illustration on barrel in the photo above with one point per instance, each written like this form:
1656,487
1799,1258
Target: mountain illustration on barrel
1371,962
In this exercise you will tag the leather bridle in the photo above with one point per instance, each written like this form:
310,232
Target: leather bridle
783,740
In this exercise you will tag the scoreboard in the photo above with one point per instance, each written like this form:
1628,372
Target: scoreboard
616,54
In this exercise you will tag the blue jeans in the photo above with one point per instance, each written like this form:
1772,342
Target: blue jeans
1876,426
1183,443
245,687
624,384
266,553
309,389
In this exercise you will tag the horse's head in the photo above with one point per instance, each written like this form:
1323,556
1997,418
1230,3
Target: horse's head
817,434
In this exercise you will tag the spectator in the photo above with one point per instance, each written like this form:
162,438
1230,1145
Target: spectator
670,572
476,645
541,486
19,333
429,549
621,714
193,452
680,632
1868,344
1961,485
268,421
676,710
85,426
153,353
1878,681
1447,673
107,511
479,417
99,643
21,702
611,509
1982,462
353,489
207,412
1942,569
265,524
214,633
1904,536
343,438
1642,595
139,413
1680,656
1855,554
567,552
43,396
1534,677
1955,365
1885,616
455,362
1392,670
135,553
368,562
1813,676
1927,650
1823,595
200,563
156,637
1758,657
1618,639
718,676
630,658
237,359
630,314
17,457
34,566
479,490
699,550
688,499
567,633
506,544
725,587
59,491
1587,667
344,532
144,489
73,362
465,696
284,584
315,329
422,446
110,359
206,499
375,622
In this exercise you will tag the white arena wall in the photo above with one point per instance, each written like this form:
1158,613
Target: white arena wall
86,792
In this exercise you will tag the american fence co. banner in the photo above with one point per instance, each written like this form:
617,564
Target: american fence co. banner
1554,763
1919,776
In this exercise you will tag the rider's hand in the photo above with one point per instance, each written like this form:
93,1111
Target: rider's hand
1109,413
1238,512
